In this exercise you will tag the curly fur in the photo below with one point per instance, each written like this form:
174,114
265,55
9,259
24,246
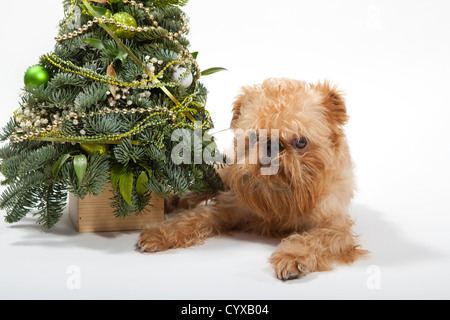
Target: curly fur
306,201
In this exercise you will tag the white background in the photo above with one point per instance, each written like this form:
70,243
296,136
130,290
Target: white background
392,60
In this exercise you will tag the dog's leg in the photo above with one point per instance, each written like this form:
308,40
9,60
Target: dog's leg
313,251
190,228
188,201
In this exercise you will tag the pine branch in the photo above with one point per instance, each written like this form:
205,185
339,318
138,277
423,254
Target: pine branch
52,204
25,162
123,210
18,192
170,2
97,174
21,207
127,153
64,79
105,125
28,166
91,95
8,130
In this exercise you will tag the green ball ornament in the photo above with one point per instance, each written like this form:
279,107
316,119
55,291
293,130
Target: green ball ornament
37,76
127,20
92,148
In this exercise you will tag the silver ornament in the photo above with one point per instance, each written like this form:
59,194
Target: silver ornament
187,81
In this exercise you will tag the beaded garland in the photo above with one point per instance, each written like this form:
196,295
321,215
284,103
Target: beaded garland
171,36
70,67
53,130
71,13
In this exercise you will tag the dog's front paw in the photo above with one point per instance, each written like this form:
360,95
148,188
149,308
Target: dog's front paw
287,266
153,240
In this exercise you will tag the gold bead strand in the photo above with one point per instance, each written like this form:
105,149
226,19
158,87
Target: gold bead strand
71,13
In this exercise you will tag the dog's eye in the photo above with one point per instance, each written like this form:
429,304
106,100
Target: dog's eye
300,143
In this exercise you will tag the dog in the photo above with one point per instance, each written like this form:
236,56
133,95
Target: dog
305,202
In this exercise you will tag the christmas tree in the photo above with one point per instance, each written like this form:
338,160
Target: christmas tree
102,108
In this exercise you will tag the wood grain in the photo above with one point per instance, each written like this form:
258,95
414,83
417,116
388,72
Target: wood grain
94,214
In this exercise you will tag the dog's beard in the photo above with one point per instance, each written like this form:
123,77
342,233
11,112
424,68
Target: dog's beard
281,198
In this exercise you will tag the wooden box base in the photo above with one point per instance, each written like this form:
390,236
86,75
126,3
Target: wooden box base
94,214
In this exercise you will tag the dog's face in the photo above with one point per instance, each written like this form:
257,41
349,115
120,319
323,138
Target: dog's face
305,121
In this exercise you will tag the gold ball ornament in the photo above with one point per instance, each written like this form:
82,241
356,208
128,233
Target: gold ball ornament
92,148
126,20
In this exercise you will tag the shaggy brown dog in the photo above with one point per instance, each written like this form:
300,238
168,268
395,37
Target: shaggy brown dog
306,201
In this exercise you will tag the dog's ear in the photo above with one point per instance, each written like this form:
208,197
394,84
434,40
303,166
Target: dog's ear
334,103
237,105
246,96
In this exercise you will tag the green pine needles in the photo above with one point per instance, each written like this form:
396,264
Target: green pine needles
100,119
